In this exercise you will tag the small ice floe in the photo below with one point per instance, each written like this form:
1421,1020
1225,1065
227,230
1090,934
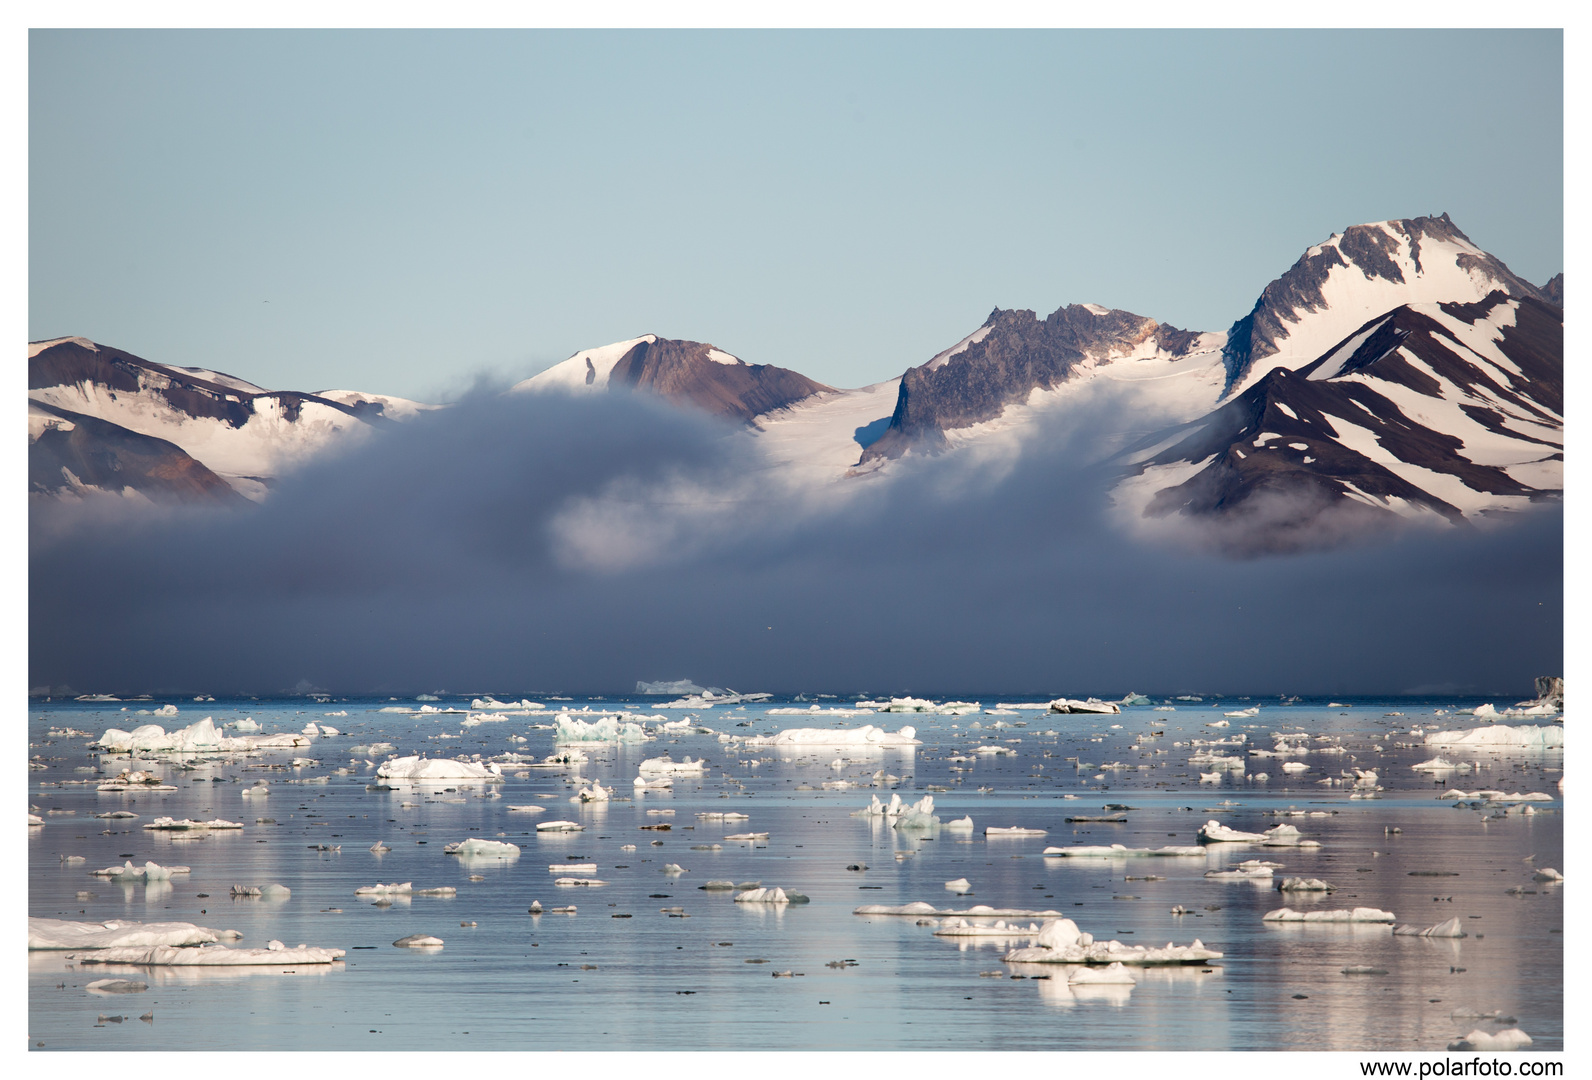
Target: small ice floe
748,836
773,895
1012,830
1210,778
404,889
1090,705
34,819
116,986
960,885
1119,851
961,824
1214,832
1249,870
572,868
1512,1039
135,780
559,826
58,934
418,941
657,783
196,738
595,793
663,766
573,882
1364,969
274,954
730,816
1113,974
1301,884
1253,710
606,729
867,735
717,885
1442,765
69,859
961,928
479,848
1336,915
150,871
379,848
1217,723
187,824
273,891
1295,767
673,869
1451,928
1061,942
415,767
977,911
1549,874
1547,737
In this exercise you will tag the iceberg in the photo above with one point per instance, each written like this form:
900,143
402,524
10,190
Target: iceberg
962,928
1337,915
1440,764
210,956
1214,832
773,895
1012,830
476,847
607,729
264,892
595,793
1300,884
1111,975
1501,736
62,934
148,872
1093,705
867,735
960,885
1118,851
1451,928
559,826
418,941
1248,870
961,824
186,824
977,911
1286,836
1548,874
405,889
199,737
415,767
662,766
1061,942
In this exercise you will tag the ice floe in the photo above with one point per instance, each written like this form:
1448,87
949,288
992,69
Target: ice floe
418,941
1336,915
977,911
188,824
415,767
1113,974
961,928
1012,830
1450,928
663,766
1250,869
1092,705
1300,884
607,729
210,956
1119,851
559,826
1214,832
774,895
1061,942
116,986
483,848
867,735
1497,736
272,891
199,737
595,793
62,934
404,889
1511,1039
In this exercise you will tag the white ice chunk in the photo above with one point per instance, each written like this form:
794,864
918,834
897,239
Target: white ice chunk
477,847
61,934
1512,1039
415,767
1337,915
210,956
1548,737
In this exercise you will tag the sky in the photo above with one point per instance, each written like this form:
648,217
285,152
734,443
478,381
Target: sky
402,212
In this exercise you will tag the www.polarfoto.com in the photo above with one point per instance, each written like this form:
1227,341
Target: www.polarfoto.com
1476,1066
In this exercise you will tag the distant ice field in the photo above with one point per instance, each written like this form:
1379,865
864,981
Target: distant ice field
650,960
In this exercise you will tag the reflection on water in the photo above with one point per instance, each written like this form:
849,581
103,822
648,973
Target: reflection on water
673,959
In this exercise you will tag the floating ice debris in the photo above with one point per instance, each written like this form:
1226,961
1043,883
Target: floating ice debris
595,793
961,824
1451,928
1295,767
34,819
773,895
1250,869
1300,884
1092,705
1364,969
1287,836
1214,832
567,729
977,911
490,703
529,809
405,889
577,881
867,735
272,891
211,956
728,816
148,872
663,766
61,934
1012,830
476,847
1118,851
960,885
415,767
673,870
196,738
918,815
1547,873
1112,974
1060,942
1512,1039
418,941
568,909
1210,778
748,836
380,848
657,783
1337,915
1441,764
116,986
559,826
188,824
572,868
1217,723
1253,710
961,928
717,886
1548,737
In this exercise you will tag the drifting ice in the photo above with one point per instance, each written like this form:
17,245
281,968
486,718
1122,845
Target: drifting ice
1060,942
418,768
173,825
867,735
774,895
1452,928
148,872
1550,737
196,738
662,766
606,730
211,956
1117,851
474,846
1339,915
60,934
1511,1039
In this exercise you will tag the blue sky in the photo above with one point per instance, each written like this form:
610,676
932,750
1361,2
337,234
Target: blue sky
398,212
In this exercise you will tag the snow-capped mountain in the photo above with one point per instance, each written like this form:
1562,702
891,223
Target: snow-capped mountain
1015,353
1354,276
105,419
1446,410
688,372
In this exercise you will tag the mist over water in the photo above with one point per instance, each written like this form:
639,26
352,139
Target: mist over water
553,544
